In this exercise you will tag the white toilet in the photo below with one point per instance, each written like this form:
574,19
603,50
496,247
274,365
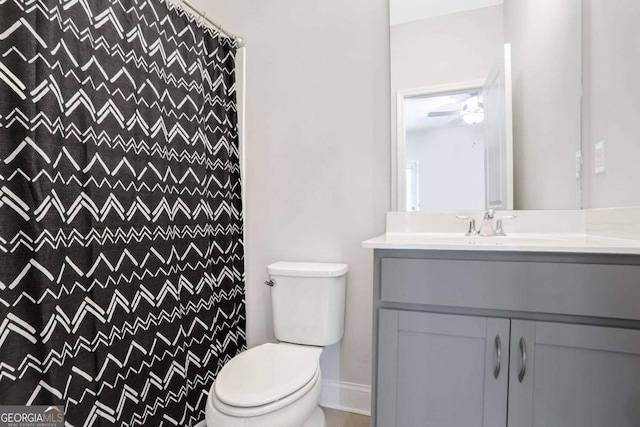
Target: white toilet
278,385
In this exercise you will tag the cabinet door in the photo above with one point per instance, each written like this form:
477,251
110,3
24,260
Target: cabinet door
573,376
441,370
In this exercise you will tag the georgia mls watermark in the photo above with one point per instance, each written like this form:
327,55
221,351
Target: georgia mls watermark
31,416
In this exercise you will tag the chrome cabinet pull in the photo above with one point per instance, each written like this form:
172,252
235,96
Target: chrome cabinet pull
496,368
523,356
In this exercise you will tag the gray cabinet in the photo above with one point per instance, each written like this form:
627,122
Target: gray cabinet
442,370
568,327
573,376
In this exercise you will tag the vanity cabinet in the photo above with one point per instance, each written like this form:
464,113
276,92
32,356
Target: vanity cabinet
517,340
442,370
574,376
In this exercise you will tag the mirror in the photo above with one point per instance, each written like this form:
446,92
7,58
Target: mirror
487,103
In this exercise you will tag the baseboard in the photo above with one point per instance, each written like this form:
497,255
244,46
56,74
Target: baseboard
346,396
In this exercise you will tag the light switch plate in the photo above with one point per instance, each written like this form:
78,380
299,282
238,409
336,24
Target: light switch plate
598,158
578,164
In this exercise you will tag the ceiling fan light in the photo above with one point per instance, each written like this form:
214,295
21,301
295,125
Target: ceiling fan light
473,118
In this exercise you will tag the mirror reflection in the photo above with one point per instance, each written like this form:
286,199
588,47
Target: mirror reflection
487,104
445,142
458,146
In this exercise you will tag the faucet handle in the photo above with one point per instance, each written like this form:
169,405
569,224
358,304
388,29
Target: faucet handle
500,226
472,224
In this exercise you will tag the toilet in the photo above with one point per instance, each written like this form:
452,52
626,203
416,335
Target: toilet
279,385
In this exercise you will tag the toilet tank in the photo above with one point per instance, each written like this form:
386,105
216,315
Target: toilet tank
308,301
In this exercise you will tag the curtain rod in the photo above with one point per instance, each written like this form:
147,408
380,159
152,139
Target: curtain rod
239,40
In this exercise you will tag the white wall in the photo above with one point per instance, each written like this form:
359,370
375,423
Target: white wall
451,167
612,88
545,37
459,47
317,151
413,10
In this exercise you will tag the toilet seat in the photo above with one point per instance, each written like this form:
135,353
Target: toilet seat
248,412
299,411
264,379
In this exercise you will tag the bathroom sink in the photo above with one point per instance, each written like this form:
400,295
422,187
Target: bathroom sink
446,239
495,240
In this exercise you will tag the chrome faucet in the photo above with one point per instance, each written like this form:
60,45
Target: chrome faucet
472,225
487,228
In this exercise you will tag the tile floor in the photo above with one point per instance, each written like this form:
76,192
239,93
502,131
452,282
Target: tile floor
335,418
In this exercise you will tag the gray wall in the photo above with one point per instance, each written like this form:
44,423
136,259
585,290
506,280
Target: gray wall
317,150
545,37
612,87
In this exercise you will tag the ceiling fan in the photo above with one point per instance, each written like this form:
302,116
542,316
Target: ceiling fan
472,112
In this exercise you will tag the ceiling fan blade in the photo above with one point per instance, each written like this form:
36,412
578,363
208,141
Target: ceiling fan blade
443,113
458,121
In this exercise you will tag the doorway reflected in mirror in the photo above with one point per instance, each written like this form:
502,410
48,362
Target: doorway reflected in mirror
445,142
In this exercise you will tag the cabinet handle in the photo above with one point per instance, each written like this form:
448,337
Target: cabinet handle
523,356
496,368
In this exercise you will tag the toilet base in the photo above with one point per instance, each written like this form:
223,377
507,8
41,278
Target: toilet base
316,419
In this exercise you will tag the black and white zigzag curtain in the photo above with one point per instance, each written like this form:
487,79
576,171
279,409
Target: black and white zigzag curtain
121,255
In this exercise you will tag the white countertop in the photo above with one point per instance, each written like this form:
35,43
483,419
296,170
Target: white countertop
569,243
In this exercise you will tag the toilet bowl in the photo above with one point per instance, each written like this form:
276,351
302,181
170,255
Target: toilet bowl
279,385
272,385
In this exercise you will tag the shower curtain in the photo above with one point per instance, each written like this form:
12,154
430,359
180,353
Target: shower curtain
121,253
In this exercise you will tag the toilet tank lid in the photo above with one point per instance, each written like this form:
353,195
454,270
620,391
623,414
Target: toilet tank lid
307,269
